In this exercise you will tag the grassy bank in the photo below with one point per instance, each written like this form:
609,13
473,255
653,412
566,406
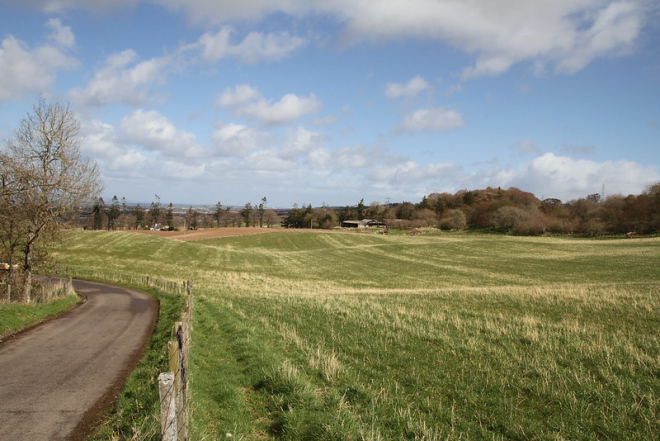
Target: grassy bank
17,316
304,335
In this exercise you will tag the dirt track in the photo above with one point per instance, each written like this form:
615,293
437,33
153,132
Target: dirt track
56,378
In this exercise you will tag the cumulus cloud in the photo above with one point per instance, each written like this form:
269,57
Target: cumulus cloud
26,70
244,100
437,119
565,178
237,140
60,35
154,132
301,142
256,47
119,163
408,90
268,160
123,80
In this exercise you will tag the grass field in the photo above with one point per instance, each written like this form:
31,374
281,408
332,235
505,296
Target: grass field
311,335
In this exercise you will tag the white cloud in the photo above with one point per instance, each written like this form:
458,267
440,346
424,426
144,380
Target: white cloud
256,46
409,90
118,162
245,100
240,96
24,70
560,35
60,35
360,156
123,80
437,119
352,156
237,140
177,169
154,132
268,160
209,12
411,173
565,178
613,31
301,142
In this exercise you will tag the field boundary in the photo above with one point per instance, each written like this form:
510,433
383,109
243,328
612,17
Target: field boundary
173,385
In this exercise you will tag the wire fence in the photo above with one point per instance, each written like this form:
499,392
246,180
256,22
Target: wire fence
172,286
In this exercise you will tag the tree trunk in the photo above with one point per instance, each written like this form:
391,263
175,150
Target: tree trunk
27,279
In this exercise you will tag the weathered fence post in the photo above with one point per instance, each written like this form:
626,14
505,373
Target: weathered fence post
178,365
166,391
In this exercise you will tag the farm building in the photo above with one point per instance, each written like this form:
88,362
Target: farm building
362,223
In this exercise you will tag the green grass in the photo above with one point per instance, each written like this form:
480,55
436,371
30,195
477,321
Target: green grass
310,335
17,316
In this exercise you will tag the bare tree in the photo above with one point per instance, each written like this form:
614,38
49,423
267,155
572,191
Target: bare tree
154,212
271,218
262,210
44,176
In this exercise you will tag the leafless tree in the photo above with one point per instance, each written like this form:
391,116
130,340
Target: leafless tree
44,177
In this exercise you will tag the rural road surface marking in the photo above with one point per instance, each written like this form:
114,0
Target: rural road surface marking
54,379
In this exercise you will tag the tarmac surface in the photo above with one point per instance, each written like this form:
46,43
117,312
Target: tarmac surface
56,379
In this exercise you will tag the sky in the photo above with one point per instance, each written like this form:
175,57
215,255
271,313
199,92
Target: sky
335,101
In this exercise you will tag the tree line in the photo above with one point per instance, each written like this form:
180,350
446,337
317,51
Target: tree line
118,215
509,210
500,210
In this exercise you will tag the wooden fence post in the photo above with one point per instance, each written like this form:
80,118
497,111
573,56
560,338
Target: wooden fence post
177,379
168,423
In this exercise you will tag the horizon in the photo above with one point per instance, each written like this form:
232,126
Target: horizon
181,205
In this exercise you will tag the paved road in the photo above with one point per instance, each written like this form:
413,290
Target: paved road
55,378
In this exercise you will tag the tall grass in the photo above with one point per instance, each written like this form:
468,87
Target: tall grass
306,335
49,299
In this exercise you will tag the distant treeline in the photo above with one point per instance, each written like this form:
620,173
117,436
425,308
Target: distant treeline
510,211
494,209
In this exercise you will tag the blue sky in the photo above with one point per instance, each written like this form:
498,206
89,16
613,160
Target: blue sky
312,102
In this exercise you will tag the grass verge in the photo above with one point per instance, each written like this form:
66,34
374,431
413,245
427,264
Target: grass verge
17,316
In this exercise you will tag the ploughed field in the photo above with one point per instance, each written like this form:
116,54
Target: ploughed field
313,335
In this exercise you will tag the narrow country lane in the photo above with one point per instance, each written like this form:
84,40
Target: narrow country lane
54,379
